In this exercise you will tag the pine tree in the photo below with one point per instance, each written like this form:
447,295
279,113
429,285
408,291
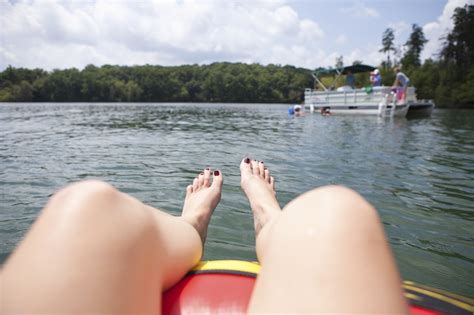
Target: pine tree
387,45
459,43
339,62
414,46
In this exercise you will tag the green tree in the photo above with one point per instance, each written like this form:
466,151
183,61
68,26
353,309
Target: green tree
388,38
457,60
459,43
414,44
218,82
132,91
23,92
426,79
339,62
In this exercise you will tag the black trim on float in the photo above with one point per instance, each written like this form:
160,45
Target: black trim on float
224,272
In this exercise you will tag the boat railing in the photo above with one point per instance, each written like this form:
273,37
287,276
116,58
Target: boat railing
346,97
353,97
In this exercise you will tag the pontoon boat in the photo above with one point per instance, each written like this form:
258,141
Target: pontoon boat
378,100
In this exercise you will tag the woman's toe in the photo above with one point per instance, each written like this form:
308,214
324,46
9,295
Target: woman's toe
195,184
217,179
189,189
207,177
255,169
245,167
266,175
201,179
261,168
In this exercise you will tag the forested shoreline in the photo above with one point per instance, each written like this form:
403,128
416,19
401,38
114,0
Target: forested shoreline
217,82
448,79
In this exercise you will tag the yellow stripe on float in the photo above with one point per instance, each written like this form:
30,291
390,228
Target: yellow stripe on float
445,293
412,296
231,265
441,297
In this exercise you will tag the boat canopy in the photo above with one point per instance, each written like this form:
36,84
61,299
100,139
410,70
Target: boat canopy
359,68
344,70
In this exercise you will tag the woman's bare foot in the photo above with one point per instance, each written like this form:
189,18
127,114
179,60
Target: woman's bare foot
259,187
201,199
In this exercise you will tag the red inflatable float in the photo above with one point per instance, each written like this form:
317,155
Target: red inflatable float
225,287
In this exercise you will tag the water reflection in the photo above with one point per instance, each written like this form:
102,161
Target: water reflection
418,173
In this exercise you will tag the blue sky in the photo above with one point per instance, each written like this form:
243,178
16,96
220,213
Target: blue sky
307,33
363,22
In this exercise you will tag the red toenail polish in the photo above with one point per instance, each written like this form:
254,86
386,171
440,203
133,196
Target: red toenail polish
216,173
207,168
261,162
247,160
202,174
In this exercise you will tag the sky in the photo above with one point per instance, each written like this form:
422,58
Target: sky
303,33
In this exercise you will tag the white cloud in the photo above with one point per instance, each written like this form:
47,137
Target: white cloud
369,55
341,39
330,59
437,29
60,34
401,29
360,10
52,34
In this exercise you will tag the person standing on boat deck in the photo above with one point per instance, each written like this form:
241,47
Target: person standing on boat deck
402,80
350,80
376,78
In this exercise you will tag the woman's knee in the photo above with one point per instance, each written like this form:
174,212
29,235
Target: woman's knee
80,199
85,191
332,204
96,207
94,200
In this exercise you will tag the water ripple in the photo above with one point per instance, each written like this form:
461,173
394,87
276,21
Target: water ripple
418,173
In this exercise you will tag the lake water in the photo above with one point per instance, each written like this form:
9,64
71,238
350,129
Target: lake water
419,174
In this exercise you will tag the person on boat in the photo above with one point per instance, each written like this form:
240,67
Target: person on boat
95,249
350,79
402,81
376,78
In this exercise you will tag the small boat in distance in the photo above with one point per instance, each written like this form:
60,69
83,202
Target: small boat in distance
378,100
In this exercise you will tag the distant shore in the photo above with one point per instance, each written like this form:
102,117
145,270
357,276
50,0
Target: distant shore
215,83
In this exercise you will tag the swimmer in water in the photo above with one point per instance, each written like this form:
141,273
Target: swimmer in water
325,111
298,109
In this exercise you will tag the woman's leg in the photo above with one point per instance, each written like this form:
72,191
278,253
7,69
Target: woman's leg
96,250
405,90
325,252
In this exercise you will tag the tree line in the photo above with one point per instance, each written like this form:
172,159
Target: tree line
448,78
217,82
